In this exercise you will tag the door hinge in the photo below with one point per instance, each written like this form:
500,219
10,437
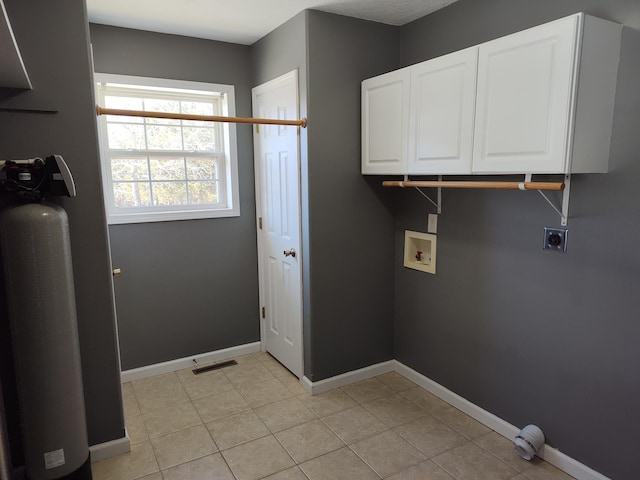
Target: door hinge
260,222
257,128
264,314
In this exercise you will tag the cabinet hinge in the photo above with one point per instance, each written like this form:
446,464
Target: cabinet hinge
264,314
260,222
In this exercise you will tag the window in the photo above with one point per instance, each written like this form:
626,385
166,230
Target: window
161,169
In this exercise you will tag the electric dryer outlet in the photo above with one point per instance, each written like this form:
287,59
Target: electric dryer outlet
555,239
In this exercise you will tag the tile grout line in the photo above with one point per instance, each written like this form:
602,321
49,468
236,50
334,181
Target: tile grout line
316,416
155,458
442,466
392,429
531,466
362,459
253,411
288,453
190,402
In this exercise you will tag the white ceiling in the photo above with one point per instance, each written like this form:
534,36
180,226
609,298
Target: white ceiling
244,21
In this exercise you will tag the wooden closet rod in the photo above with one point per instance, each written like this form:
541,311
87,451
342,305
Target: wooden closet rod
555,186
201,118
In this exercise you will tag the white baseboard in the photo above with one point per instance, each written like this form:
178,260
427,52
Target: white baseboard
490,420
105,450
347,378
569,465
550,454
186,362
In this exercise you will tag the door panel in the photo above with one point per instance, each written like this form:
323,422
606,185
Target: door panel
524,100
278,197
385,117
443,94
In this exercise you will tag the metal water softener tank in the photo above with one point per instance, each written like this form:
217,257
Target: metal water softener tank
36,253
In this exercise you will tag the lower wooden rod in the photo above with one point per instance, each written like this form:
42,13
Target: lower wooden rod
555,186
200,118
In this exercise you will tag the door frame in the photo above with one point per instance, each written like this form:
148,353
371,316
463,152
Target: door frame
293,77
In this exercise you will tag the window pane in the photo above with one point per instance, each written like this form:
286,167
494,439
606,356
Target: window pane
202,168
126,103
125,137
123,103
129,169
167,168
164,138
169,193
197,108
158,168
159,105
196,138
203,192
161,121
123,119
131,194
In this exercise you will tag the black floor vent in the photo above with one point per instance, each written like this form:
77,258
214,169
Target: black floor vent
216,366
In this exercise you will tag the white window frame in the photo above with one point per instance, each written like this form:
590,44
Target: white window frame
228,168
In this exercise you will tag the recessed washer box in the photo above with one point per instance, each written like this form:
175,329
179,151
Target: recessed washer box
420,251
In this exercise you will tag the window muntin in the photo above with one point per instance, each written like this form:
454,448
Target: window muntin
164,169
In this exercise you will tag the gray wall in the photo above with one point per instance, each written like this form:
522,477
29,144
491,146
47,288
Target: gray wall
530,335
350,224
54,46
347,225
279,52
187,287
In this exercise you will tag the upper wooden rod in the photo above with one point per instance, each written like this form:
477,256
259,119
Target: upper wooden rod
556,186
201,118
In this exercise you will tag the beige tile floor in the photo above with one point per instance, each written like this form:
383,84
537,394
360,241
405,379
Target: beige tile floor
254,420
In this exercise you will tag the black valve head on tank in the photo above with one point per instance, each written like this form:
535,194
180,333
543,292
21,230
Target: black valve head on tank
32,180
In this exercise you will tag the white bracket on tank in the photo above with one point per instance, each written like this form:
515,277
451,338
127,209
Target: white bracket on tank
564,213
437,204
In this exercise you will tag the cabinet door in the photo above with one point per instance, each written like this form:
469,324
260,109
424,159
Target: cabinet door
441,114
385,123
524,102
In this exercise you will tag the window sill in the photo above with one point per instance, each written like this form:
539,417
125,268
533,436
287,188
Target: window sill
149,217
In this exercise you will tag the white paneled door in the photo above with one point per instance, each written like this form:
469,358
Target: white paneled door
277,164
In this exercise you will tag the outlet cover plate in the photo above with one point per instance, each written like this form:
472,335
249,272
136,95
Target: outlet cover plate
555,239
432,223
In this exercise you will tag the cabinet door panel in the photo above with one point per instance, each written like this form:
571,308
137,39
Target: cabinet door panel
525,85
385,107
442,113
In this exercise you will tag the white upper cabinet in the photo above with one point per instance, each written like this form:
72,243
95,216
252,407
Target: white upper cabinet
441,114
537,101
524,100
385,123
534,92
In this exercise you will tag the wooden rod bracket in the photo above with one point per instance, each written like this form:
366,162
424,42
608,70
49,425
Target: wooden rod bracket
554,186
527,184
